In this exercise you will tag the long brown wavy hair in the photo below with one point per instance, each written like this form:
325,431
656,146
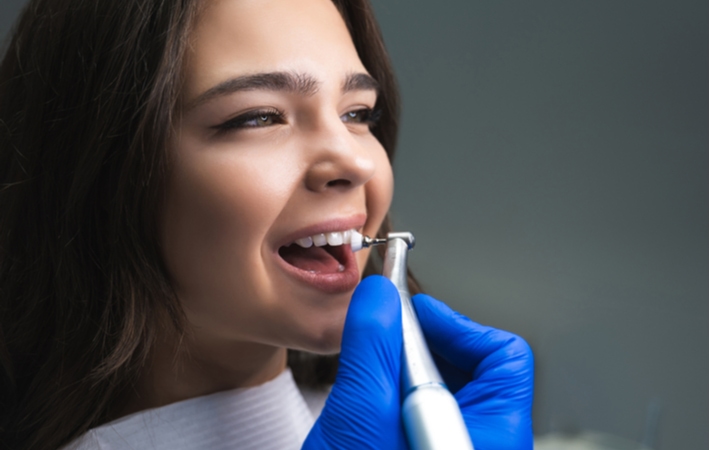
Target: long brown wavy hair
89,90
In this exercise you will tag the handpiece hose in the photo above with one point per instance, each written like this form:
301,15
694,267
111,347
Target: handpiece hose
432,418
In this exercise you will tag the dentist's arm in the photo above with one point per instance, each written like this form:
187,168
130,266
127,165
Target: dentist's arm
363,410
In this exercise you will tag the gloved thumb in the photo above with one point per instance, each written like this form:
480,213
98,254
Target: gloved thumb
372,338
363,408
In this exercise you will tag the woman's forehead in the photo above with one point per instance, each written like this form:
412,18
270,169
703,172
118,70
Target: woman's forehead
235,38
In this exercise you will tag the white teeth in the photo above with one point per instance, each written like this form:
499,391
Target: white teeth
305,242
334,238
320,240
341,268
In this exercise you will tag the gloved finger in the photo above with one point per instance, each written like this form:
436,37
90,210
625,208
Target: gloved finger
363,408
372,336
473,348
496,403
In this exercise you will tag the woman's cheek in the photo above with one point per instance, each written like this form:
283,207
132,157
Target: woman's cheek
379,191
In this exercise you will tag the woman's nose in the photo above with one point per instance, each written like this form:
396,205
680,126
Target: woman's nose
340,161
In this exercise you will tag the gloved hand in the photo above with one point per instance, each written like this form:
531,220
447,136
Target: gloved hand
363,410
496,367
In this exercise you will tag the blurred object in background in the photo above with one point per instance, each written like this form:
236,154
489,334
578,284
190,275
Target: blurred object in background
587,440
594,440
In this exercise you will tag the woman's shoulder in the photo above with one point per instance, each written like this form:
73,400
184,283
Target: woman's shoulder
88,441
275,415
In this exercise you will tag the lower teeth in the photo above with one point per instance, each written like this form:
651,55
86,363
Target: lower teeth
341,268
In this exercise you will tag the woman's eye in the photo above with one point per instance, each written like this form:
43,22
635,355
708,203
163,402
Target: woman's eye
366,115
252,119
261,121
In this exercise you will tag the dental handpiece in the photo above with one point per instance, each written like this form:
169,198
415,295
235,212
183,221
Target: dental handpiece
431,416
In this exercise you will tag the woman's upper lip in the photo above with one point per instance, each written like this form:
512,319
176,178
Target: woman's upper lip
355,222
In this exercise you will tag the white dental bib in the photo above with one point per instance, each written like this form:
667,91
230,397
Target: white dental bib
274,415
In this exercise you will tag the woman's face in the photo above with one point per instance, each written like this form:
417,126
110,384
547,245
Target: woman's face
273,146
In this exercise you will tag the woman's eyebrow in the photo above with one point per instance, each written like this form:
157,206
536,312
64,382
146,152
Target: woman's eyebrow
360,82
298,83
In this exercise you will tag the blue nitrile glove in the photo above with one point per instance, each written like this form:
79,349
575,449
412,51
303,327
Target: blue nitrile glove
363,410
497,372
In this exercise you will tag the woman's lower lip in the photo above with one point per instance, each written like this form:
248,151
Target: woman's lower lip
330,283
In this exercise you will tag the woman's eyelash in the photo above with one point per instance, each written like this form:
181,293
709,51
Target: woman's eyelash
253,119
269,117
367,116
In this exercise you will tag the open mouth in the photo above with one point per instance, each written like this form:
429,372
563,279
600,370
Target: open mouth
326,259
324,253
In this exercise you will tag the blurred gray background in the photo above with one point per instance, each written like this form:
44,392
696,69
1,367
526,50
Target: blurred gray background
552,165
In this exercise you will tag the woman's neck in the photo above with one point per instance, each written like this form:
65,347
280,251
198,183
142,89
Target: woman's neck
194,369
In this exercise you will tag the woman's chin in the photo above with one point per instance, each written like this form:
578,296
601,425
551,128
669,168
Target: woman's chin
327,342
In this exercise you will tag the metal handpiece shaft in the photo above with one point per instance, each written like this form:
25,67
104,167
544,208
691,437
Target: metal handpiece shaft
418,366
432,418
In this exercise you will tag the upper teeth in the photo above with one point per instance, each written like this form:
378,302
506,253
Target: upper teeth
321,239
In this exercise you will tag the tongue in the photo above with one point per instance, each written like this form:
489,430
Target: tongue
312,259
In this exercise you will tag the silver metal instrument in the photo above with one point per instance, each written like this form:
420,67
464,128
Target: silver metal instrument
432,418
